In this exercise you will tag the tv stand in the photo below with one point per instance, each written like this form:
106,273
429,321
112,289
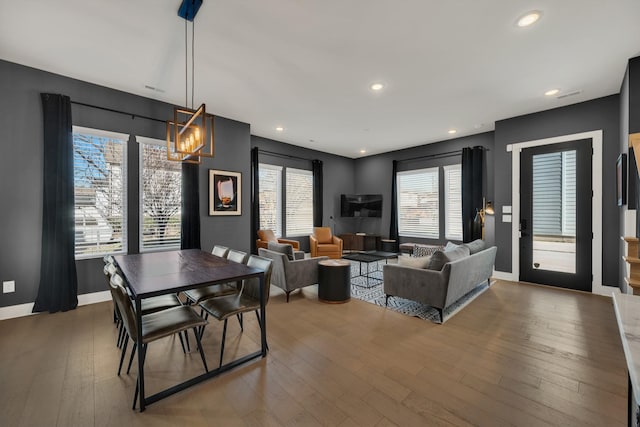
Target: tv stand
360,242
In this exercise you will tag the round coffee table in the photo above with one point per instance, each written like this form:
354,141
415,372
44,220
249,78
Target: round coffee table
334,281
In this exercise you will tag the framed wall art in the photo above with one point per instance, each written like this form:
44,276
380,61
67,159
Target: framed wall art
225,192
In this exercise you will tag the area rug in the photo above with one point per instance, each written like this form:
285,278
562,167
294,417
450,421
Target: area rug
372,293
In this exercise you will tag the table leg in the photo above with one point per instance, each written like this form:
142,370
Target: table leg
140,354
263,317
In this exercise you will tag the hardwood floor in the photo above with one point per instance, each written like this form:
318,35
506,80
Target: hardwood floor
518,355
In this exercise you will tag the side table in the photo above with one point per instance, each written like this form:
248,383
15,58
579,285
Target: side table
334,281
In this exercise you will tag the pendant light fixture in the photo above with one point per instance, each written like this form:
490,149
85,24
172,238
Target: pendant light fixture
190,133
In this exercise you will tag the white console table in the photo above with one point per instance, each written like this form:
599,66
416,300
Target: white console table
627,309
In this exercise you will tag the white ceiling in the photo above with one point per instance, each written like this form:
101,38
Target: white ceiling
307,65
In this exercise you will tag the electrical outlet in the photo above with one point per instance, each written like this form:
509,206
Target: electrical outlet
8,286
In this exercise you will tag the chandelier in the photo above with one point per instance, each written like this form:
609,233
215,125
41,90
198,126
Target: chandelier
190,133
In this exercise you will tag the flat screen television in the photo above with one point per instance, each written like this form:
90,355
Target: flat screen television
361,205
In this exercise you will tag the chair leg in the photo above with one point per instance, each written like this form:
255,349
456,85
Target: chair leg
124,350
386,300
204,361
184,350
201,331
287,292
121,334
224,335
241,321
133,353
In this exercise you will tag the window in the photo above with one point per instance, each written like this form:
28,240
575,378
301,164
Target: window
99,178
453,202
299,207
270,197
161,194
418,204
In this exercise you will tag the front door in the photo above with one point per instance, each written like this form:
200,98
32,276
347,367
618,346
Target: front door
555,215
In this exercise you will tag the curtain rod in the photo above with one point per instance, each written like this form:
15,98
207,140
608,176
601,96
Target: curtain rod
283,155
133,116
434,156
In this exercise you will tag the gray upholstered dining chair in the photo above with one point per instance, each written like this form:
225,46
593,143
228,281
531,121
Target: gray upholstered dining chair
247,300
220,251
155,325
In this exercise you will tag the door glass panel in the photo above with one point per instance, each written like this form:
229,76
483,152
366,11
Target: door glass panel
554,211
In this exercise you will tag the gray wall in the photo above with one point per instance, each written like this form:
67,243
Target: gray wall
338,173
21,171
374,173
602,113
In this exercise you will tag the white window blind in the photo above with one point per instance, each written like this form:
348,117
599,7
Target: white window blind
161,194
418,204
99,177
299,206
270,197
453,202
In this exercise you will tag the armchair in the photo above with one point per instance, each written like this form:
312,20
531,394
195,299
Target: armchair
265,236
323,243
290,275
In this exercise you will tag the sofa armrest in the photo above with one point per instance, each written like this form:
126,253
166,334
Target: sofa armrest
337,241
417,284
303,272
294,243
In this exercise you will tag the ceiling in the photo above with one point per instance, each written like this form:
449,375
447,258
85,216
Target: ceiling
308,65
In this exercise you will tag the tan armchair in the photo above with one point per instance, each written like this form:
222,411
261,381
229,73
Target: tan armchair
266,236
324,243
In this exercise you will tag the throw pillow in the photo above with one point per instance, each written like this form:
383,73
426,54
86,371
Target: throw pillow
415,262
450,246
283,248
476,246
440,258
424,250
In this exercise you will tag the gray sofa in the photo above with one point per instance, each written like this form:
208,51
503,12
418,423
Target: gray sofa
468,267
290,274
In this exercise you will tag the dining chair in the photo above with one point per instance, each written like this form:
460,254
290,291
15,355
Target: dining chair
154,326
247,300
196,296
220,251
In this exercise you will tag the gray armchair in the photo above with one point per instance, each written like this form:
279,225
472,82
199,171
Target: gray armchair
292,274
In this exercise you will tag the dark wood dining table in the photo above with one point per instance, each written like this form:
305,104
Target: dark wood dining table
170,272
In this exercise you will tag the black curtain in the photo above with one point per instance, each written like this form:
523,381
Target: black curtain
393,226
317,192
190,223
255,194
472,185
58,289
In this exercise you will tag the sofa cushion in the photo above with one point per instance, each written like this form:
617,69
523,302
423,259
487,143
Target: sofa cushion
450,246
416,262
440,258
323,234
283,248
424,250
476,246
267,235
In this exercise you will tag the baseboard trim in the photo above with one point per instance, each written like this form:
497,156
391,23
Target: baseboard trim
22,310
503,275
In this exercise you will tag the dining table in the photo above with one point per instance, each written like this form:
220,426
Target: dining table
170,272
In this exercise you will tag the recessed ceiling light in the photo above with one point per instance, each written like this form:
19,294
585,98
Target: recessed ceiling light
451,131
552,92
280,129
363,151
529,18
377,86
